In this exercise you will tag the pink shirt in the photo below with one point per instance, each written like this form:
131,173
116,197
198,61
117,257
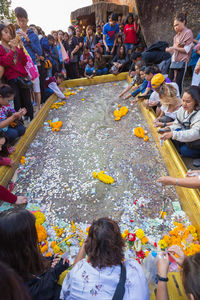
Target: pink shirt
183,40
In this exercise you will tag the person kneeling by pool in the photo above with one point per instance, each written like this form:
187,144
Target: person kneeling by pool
185,131
101,63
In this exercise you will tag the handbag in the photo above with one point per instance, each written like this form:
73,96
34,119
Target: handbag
176,65
24,82
120,289
30,67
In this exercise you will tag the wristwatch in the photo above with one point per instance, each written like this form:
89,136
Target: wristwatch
162,278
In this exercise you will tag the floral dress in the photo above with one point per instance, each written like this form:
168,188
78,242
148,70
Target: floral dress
85,282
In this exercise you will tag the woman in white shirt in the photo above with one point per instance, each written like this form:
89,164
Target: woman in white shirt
97,276
185,131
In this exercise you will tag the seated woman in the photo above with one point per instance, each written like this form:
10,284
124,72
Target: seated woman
185,129
170,104
190,273
98,275
101,63
120,61
19,250
10,120
84,58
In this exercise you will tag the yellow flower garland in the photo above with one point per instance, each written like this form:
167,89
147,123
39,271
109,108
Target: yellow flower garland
120,113
103,177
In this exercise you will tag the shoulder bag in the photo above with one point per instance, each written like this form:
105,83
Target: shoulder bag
120,289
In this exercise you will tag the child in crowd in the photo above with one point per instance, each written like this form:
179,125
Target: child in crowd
5,151
40,275
98,36
139,89
170,105
101,63
136,78
52,86
32,44
84,58
135,57
120,61
89,69
10,120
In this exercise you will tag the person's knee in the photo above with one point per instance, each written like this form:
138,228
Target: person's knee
21,130
99,72
185,151
105,71
12,134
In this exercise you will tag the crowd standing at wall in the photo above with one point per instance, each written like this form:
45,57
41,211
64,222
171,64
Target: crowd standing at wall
32,65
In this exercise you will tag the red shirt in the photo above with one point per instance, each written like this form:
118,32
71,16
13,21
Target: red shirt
13,62
130,33
6,196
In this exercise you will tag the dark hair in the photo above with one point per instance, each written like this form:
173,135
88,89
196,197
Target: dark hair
143,68
91,58
194,92
86,47
6,91
73,29
98,26
128,16
12,286
135,55
151,69
113,17
60,75
21,13
2,26
4,151
191,275
104,245
60,31
181,17
118,51
19,243
140,64
50,37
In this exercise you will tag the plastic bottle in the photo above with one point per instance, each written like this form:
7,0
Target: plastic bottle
150,270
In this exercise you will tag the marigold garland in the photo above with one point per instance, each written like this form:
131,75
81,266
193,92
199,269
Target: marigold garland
140,132
103,177
120,113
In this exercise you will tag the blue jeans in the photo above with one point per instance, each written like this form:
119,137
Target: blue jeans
89,70
102,71
13,133
185,151
128,47
141,89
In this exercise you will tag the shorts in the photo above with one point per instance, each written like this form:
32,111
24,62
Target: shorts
36,83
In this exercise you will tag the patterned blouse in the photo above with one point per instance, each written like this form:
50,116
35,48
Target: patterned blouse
85,282
4,110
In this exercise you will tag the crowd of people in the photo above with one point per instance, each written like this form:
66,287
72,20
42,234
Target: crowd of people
32,65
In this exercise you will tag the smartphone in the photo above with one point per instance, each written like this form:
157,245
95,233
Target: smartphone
163,130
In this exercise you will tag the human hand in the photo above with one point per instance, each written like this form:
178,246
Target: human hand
13,44
166,136
178,251
55,261
167,180
158,124
193,173
23,111
197,69
107,49
113,49
12,163
153,103
21,200
72,56
163,265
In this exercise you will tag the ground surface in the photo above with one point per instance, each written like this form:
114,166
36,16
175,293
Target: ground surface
58,174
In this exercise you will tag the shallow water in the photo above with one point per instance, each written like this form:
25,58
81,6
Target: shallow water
58,174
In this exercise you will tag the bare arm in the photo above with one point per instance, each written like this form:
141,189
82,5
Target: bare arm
188,182
146,91
80,255
125,90
7,122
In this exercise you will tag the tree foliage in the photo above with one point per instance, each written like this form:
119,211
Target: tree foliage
5,11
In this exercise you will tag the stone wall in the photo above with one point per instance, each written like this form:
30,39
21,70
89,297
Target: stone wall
157,17
129,3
